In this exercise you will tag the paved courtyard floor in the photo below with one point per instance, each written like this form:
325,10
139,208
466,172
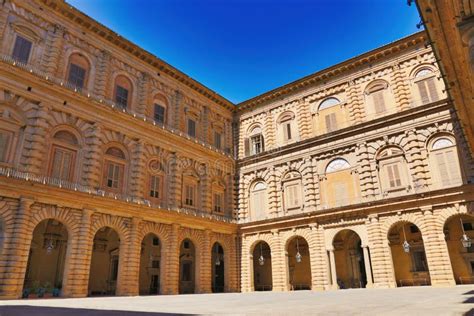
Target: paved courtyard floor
417,301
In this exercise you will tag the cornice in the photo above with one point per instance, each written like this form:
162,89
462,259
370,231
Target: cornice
74,15
338,69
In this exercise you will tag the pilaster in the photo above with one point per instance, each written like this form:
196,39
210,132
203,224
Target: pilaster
34,151
172,278
102,74
53,49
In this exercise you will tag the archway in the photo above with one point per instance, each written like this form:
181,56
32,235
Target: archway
349,258
262,267
408,255
218,270
45,267
187,267
104,269
459,234
299,268
150,265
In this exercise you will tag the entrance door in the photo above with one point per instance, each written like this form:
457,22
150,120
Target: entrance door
154,284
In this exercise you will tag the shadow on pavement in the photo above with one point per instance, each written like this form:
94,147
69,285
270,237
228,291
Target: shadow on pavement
469,293
22,310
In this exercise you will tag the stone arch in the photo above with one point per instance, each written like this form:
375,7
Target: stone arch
299,274
409,267
133,84
415,70
119,224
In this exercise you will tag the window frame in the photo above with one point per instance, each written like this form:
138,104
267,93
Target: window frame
121,163
58,144
434,164
398,159
30,53
69,73
155,106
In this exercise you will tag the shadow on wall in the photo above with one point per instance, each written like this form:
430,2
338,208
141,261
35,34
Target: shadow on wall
22,310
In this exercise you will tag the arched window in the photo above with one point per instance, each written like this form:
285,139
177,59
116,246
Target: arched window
160,104
392,169
114,169
64,151
337,164
258,201
445,162
339,187
327,103
378,95
286,127
292,195
123,91
78,71
425,82
156,180
254,142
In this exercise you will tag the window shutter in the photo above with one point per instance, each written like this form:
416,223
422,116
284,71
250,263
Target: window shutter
66,165
288,131
423,92
21,50
105,174
247,147
432,89
4,139
453,166
442,169
121,171
379,101
396,173
262,144
57,160
328,123
340,193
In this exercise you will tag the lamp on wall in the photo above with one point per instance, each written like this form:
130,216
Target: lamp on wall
261,260
298,255
406,245
218,259
465,240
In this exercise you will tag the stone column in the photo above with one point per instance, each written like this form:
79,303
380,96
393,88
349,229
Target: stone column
278,263
76,280
332,262
34,151
16,252
368,266
246,275
172,257
102,74
272,194
319,272
205,273
382,267
131,268
437,254
53,49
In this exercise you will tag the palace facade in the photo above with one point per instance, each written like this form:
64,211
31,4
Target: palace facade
121,175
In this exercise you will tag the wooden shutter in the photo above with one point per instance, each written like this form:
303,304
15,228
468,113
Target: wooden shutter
105,174
340,193
331,123
287,131
21,50
442,168
57,160
379,101
4,140
453,166
393,175
423,92
261,144
432,89
247,147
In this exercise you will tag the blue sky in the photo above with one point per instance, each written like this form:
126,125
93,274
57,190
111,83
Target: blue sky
243,48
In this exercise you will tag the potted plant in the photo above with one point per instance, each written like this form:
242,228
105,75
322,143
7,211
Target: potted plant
57,289
26,293
34,289
48,289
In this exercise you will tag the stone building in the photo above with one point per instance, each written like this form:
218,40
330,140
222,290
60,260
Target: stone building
121,175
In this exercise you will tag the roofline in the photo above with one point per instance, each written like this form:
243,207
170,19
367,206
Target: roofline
334,70
75,15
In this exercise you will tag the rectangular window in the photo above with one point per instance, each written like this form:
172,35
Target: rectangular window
22,49
156,241
448,169
331,122
341,196
257,144
419,261
121,96
287,131
77,76
189,195
393,175
4,145
155,264
467,226
379,101
62,164
155,187
114,175
217,140
186,275
191,128
292,195
218,202
159,114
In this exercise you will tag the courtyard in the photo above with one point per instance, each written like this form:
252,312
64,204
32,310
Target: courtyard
418,301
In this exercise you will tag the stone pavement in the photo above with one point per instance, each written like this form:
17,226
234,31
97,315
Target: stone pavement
417,301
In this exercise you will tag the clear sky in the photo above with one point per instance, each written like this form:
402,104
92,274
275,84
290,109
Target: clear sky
243,48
